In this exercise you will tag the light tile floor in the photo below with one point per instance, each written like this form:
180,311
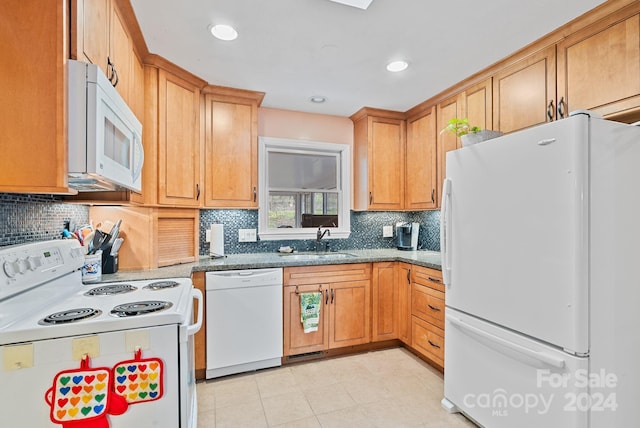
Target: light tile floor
388,388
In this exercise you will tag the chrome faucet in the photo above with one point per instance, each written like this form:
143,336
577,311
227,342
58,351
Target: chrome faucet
319,235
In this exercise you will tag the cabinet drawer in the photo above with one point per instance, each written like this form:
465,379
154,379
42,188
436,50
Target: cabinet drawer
431,278
326,273
428,304
428,340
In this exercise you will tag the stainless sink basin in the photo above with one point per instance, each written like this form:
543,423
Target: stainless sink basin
317,256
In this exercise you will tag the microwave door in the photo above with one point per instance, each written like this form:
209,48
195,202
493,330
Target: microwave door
118,148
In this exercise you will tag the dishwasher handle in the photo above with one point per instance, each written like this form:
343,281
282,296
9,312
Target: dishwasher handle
195,327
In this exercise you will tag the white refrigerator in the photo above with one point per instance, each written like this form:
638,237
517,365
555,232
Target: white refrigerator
540,240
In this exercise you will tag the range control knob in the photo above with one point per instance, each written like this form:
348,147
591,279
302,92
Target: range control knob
9,269
21,265
33,263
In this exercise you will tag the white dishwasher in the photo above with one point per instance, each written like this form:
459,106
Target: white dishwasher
244,320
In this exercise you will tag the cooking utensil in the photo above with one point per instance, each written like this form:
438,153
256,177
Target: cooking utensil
115,231
116,246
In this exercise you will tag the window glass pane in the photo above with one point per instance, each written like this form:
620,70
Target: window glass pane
282,210
302,171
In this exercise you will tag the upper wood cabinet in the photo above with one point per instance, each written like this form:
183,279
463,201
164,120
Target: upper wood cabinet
100,36
179,141
231,148
421,162
599,66
379,160
446,110
524,94
34,48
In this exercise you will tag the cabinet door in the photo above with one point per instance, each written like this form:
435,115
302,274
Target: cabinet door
524,94
386,163
295,340
178,141
121,55
349,306
428,340
231,152
404,302
34,92
447,110
477,105
428,304
384,289
599,67
421,172
93,26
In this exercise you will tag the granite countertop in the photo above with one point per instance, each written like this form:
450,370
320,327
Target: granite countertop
430,259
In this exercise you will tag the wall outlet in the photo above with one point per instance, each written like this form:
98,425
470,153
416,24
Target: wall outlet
207,235
387,231
247,235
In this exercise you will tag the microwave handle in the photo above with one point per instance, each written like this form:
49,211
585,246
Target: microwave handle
138,163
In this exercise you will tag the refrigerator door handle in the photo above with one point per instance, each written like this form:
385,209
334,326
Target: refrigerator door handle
445,232
536,355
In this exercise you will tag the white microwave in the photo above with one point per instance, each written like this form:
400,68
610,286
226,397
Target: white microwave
105,137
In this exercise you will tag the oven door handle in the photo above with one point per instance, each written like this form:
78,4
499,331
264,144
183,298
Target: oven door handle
193,328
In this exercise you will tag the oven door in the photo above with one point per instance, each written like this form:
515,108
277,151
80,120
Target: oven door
29,370
188,329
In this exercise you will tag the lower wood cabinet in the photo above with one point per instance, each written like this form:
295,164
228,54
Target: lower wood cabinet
385,301
427,313
200,339
404,302
345,311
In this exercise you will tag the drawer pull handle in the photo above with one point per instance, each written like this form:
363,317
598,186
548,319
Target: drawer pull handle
436,280
433,344
434,308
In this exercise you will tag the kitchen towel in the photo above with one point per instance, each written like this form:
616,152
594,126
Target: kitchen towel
310,311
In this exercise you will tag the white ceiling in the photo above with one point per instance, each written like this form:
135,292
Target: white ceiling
293,49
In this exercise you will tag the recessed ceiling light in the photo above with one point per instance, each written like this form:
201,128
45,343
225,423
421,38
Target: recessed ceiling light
224,32
318,99
396,66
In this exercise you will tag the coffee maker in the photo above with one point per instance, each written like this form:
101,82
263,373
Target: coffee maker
407,236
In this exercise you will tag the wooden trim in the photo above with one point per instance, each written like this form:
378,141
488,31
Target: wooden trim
224,93
164,64
369,111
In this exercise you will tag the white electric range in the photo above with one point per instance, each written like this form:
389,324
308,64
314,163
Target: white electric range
58,336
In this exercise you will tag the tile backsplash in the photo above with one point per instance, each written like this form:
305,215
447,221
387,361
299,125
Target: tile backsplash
366,231
30,218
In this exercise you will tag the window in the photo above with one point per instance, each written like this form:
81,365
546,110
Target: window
303,185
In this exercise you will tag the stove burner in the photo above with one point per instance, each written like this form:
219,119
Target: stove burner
161,285
69,316
140,308
108,290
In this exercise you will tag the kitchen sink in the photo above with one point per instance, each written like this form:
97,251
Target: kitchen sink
317,256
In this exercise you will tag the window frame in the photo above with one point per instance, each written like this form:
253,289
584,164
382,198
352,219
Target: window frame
343,155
